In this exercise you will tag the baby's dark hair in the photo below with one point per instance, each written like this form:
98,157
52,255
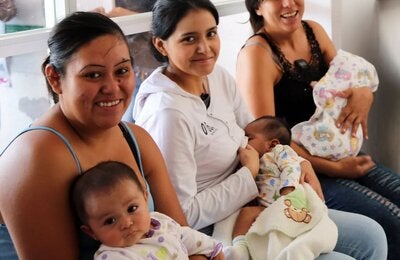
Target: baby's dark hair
100,178
275,127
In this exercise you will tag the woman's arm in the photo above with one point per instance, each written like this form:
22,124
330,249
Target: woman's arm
349,167
36,172
325,43
164,195
256,74
359,100
177,143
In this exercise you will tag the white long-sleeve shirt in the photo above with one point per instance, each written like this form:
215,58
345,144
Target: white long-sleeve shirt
199,145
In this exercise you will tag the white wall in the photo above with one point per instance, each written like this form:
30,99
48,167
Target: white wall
370,28
386,141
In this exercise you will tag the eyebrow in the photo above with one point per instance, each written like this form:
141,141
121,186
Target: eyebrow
102,66
192,33
103,215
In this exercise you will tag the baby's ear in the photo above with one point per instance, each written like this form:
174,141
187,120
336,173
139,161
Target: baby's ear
87,230
273,143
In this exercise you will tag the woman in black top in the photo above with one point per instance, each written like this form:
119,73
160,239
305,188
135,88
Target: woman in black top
275,68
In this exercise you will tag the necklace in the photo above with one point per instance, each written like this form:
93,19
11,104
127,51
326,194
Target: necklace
205,96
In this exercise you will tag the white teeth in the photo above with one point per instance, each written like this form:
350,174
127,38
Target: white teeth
109,104
288,15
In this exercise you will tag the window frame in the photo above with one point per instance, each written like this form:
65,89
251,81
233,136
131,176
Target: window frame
19,43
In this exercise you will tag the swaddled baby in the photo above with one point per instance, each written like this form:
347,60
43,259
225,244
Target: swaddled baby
319,135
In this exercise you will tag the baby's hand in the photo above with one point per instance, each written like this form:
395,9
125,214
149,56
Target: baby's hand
313,83
286,190
220,256
249,158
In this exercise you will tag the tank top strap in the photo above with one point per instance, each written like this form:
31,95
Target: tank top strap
45,128
316,53
130,138
287,67
277,54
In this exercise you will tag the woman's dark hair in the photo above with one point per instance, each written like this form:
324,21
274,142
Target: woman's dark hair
256,21
275,127
73,32
100,178
168,13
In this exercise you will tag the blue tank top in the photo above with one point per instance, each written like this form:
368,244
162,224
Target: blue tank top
87,245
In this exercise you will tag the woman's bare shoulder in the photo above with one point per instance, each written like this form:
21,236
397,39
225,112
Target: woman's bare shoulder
40,151
255,45
327,47
143,138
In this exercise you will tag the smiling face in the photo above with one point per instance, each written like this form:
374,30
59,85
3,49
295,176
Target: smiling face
98,83
118,217
193,48
280,15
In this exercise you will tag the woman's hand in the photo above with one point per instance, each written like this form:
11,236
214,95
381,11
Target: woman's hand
359,101
354,167
308,175
249,158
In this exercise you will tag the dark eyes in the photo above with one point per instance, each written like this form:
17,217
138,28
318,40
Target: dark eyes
93,75
191,39
122,71
96,75
110,221
132,209
212,33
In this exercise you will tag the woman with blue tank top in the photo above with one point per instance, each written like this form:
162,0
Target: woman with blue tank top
90,78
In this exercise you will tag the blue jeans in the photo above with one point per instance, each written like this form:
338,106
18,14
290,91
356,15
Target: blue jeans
7,251
376,195
359,237
88,246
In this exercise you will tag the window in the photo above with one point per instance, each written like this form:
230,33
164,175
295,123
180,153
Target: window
23,36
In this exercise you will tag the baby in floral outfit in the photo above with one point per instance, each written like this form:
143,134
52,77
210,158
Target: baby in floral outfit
280,168
112,205
319,135
293,219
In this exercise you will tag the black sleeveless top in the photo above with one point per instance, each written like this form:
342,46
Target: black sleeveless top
293,93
